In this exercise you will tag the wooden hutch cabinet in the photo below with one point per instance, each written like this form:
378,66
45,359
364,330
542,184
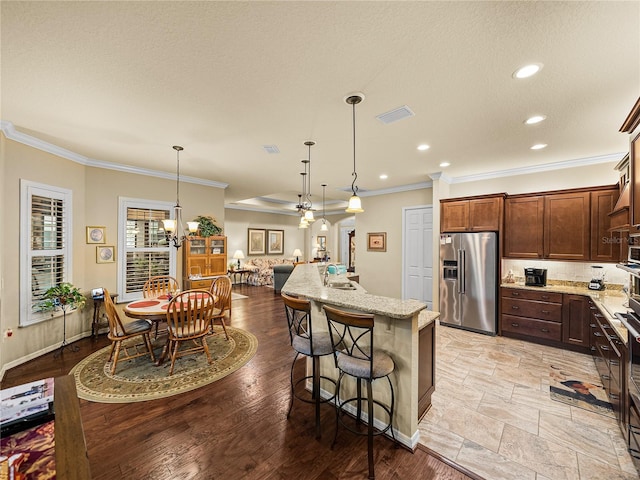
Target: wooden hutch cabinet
206,256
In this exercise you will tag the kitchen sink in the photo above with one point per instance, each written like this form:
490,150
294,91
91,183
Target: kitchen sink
341,285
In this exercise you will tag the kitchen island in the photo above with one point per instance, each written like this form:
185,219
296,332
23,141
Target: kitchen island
403,329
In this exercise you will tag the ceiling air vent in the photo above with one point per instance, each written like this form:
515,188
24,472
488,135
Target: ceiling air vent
395,115
271,149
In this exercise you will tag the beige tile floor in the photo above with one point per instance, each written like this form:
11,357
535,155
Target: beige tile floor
492,414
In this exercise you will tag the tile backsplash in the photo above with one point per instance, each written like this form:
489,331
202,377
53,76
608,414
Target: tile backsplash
566,271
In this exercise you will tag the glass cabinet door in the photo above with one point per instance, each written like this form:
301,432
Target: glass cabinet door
216,247
197,246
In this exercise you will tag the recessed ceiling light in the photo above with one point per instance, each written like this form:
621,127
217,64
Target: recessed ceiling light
527,71
535,119
423,147
444,164
538,146
384,176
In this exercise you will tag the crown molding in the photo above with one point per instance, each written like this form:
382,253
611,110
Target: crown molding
247,208
578,162
11,133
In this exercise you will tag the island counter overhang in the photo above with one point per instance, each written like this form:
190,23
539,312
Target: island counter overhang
397,330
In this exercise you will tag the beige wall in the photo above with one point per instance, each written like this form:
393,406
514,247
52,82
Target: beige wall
238,221
381,272
95,202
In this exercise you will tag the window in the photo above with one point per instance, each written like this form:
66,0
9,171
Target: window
45,236
144,249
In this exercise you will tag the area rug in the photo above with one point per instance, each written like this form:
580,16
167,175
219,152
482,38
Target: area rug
572,390
139,379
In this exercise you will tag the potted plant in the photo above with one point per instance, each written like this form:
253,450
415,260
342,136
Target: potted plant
66,297
207,226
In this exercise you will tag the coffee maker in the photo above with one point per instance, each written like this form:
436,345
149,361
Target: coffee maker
597,278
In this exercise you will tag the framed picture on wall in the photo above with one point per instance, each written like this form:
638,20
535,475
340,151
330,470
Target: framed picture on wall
96,235
256,241
322,243
377,242
275,242
106,254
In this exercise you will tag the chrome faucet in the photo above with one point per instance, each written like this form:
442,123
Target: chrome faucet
326,273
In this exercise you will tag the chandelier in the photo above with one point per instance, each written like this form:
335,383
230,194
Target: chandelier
173,227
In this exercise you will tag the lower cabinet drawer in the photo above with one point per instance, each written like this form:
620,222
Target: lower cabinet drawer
531,327
200,284
551,312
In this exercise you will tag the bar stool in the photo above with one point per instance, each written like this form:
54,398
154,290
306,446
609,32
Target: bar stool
305,342
352,342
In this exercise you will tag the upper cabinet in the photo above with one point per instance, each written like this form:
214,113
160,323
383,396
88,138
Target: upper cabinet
523,226
567,226
564,225
631,126
472,214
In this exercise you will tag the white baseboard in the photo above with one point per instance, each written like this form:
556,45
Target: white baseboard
39,353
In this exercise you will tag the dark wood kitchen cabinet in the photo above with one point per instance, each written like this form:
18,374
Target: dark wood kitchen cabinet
605,244
540,316
567,233
523,226
610,355
562,225
531,314
631,126
472,214
575,320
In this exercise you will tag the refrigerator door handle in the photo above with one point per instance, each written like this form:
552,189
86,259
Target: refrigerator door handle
461,270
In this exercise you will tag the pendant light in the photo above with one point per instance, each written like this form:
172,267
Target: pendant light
173,228
355,205
323,227
308,214
301,203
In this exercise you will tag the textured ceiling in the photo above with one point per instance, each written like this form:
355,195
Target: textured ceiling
122,82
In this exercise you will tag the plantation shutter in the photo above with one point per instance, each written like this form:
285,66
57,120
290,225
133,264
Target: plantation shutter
48,259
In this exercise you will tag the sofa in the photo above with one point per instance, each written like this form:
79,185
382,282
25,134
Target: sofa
262,269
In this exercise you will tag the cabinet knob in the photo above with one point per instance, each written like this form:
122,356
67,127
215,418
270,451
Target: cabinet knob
515,294
606,377
614,396
545,330
545,297
515,307
605,348
515,324
546,312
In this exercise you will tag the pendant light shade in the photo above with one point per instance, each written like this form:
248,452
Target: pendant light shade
323,227
355,205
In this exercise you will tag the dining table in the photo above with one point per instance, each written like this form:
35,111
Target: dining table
155,311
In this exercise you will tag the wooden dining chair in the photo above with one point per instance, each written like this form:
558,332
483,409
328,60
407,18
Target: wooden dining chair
120,332
221,290
189,317
159,285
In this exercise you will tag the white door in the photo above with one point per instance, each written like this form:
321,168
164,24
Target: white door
418,254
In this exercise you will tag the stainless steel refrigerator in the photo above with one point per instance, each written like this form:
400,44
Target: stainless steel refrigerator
469,281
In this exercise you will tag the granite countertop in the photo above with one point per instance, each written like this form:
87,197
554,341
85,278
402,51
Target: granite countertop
609,301
306,281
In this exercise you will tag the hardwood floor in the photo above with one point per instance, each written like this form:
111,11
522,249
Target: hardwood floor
234,428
